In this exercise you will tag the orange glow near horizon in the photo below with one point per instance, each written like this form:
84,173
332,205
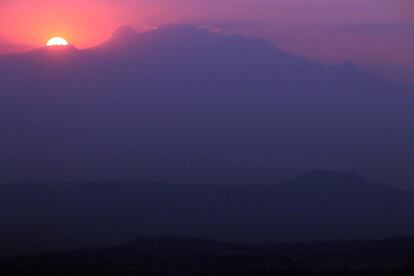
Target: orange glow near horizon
84,23
329,31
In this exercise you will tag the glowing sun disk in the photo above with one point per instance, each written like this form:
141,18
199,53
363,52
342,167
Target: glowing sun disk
57,41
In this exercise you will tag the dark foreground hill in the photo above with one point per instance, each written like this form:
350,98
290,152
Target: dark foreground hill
316,206
181,104
173,256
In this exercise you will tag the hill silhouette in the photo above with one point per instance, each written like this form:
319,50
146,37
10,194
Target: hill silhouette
178,256
181,104
315,206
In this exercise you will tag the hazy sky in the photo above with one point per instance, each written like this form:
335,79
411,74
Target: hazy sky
375,33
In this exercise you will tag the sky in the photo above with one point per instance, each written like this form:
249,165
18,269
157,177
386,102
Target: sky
376,34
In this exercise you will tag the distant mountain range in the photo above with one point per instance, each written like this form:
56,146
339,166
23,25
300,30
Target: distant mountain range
183,256
181,104
319,205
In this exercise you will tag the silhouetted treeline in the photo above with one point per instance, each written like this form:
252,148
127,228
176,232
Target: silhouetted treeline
179,256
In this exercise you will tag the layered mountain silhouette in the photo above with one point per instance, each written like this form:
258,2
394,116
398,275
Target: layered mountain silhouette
181,104
319,205
180,256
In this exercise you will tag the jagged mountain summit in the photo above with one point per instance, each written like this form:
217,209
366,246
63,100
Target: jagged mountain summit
123,38
124,33
181,104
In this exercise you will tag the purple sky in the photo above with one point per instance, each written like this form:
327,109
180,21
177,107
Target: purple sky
377,34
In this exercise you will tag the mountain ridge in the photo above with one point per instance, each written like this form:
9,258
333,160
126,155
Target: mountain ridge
237,108
112,213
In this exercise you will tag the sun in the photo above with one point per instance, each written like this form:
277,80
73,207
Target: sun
57,41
